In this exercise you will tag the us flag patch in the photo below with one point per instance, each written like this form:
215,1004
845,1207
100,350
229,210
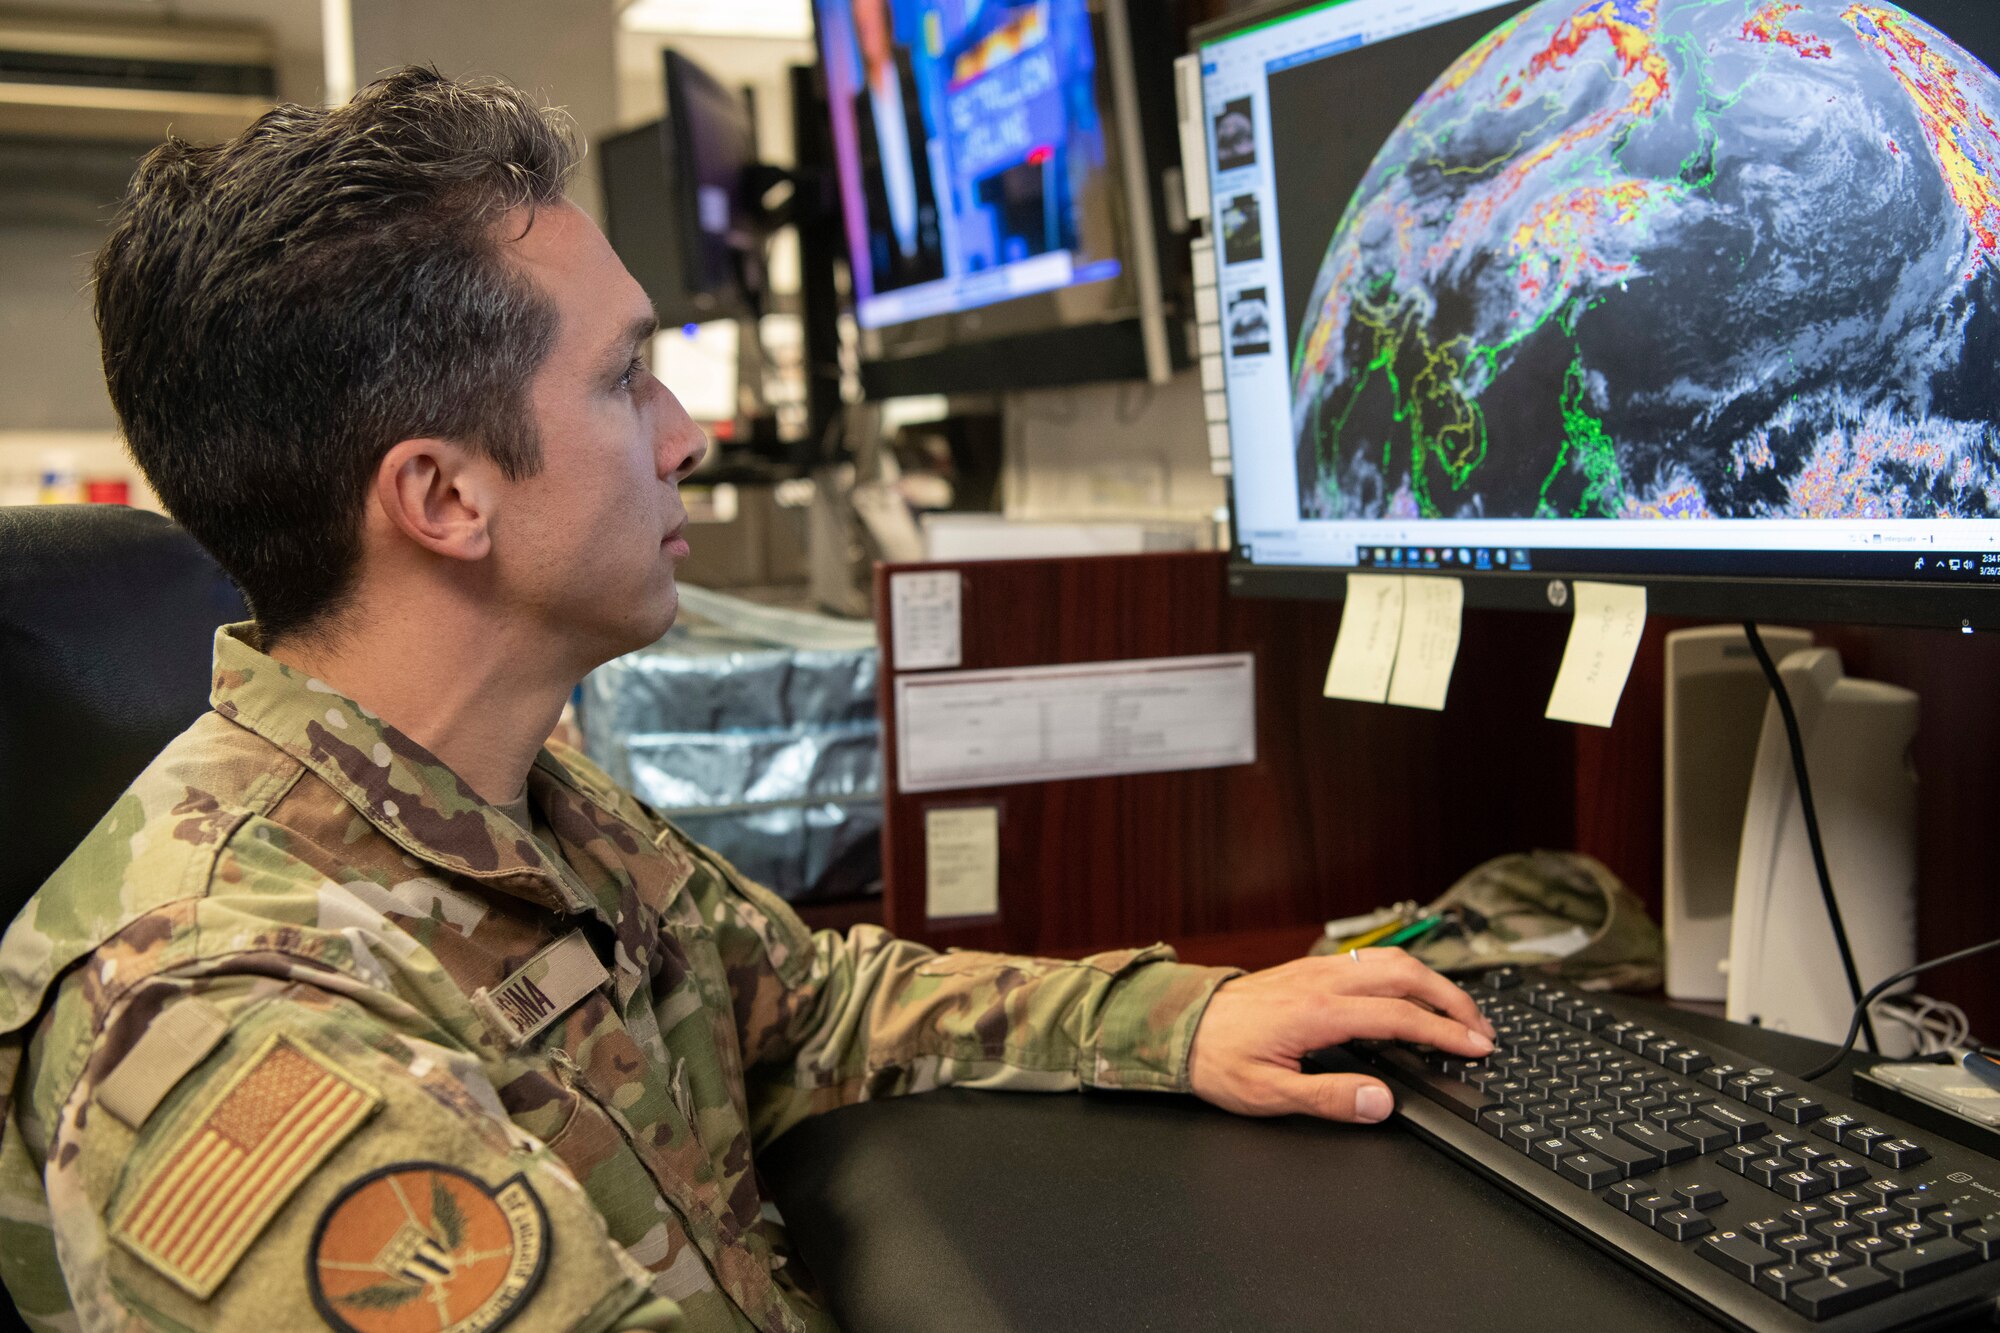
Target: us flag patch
213,1189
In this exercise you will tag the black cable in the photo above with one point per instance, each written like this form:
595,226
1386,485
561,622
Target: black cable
1876,992
1798,746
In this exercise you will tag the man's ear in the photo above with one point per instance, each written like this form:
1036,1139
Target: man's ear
440,495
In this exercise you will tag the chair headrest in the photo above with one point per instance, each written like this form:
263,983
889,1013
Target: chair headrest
107,619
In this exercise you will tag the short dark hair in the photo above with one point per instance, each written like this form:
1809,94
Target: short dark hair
279,310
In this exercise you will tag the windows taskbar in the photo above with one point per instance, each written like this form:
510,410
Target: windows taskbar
1569,562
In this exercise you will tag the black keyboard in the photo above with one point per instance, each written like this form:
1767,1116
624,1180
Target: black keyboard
1760,1199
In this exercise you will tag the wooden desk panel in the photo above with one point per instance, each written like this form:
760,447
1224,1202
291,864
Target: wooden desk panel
1351,806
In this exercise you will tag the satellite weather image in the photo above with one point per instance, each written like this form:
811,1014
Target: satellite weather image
1659,259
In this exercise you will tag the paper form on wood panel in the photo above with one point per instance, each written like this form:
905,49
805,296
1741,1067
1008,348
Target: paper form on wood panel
925,619
1427,646
1364,654
1086,720
962,861
1603,640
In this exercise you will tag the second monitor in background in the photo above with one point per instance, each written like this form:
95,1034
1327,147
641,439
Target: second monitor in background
1004,172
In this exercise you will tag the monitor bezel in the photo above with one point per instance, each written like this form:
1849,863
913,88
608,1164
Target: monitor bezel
1961,606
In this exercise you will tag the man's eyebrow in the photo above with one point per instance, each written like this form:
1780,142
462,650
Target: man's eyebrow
637,334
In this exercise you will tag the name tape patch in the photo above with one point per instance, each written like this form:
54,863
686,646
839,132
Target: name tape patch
546,987
196,1210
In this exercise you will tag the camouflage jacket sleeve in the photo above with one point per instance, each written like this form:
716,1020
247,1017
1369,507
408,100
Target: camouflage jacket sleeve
825,1019
250,1152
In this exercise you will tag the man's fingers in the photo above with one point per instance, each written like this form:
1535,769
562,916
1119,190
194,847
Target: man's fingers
1386,1018
1395,973
1350,1097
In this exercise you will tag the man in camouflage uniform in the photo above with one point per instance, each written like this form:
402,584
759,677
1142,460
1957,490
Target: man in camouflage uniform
362,1009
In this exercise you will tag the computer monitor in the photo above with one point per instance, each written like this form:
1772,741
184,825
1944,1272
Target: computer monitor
680,205
1703,294
998,166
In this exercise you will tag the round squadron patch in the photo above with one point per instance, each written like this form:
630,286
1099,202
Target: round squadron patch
425,1246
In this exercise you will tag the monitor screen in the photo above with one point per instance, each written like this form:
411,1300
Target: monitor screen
1696,290
976,164
714,142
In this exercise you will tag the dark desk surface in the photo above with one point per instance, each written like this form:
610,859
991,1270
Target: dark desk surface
980,1212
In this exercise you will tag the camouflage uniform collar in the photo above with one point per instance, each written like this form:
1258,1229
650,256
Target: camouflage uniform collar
404,790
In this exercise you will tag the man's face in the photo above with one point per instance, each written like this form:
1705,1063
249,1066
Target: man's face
588,544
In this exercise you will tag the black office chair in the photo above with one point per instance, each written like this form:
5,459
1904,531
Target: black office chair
107,617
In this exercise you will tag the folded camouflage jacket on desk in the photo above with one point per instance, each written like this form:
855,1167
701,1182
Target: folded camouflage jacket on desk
307,1034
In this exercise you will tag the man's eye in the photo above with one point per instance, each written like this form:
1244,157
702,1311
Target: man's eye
633,373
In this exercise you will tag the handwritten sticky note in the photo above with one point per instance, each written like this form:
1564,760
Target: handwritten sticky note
962,861
924,619
1364,653
1603,640
1427,647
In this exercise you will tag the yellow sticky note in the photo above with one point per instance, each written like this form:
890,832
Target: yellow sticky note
1427,647
962,861
1364,654
1603,640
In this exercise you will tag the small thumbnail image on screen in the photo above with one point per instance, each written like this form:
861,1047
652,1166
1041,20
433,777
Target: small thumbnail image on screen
1242,230
1235,136
1249,323
1647,259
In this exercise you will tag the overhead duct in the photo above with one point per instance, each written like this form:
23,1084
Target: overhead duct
111,78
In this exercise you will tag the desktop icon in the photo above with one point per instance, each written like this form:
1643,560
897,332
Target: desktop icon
1378,555
1430,558
1464,556
1920,562
1520,557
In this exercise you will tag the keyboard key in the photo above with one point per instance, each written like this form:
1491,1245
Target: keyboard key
1878,1218
1495,1119
1829,1260
1501,978
1951,1221
1766,1170
1620,1196
1687,1060
1844,1172
1658,1049
1927,1262
1737,1121
1767,1097
1825,1297
1899,1153
1682,1224
1779,1279
1705,1135
1918,1206
1590,1018
1601,1140
1885,1191
1807,1154
1870,1248
1649,1208
1798,1110
1839,1230
1589,1170
1701,1197
1736,1254
1716,1075
1833,1126
1847,1202
1550,1151
1741,1086
1795,1244
1769,1229
1635,1039
1806,1214
1912,1233
1861,1138
1521,1138
1671,1148
1985,1239
1738,1159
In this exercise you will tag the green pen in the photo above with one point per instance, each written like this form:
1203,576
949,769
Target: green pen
1416,930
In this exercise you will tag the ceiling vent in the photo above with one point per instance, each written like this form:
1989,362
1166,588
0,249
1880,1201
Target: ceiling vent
64,77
